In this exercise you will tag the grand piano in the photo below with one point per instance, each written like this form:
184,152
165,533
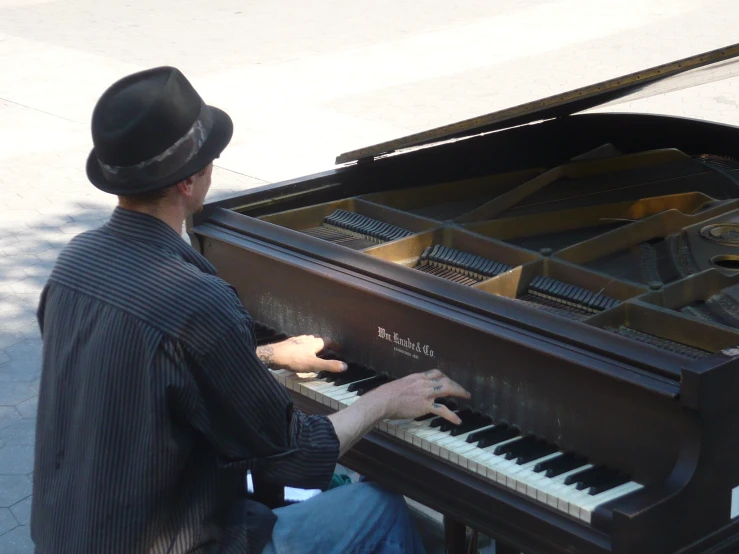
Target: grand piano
577,273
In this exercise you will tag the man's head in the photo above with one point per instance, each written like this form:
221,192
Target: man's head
186,197
155,141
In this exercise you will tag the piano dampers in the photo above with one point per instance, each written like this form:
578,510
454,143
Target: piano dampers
659,342
356,231
458,266
567,300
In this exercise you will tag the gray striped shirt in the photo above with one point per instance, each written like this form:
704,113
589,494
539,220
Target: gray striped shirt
153,403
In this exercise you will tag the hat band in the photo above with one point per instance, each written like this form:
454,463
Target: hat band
168,162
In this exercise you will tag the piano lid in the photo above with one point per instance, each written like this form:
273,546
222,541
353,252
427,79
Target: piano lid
695,70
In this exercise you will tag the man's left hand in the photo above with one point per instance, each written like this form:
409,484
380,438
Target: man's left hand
299,354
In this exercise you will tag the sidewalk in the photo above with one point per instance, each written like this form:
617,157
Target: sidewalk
303,83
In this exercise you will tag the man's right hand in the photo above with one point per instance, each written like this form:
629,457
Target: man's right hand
415,395
410,397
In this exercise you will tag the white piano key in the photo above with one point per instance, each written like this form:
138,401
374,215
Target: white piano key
520,477
555,485
350,401
588,507
406,431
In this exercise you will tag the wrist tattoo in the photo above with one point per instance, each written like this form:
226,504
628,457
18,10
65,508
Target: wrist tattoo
266,354
436,406
437,388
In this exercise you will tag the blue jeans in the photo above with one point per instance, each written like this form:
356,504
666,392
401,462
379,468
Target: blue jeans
352,519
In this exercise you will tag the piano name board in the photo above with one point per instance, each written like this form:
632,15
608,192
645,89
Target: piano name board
405,345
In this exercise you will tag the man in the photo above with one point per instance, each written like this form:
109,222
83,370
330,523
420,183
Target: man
153,397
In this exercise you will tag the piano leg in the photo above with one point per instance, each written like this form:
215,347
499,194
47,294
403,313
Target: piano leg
455,536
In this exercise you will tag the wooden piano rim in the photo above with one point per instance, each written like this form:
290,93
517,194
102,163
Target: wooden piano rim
230,227
519,521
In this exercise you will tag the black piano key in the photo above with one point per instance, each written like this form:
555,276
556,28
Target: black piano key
448,402
448,425
472,423
558,466
541,449
514,449
350,376
360,385
329,355
589,477
596,479
424,417
479,435
496,435
608,484
437,421
329,376
366,386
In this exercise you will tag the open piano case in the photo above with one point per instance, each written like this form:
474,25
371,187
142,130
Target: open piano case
578,273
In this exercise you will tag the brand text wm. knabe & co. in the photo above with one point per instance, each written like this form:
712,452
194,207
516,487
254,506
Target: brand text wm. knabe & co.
405,345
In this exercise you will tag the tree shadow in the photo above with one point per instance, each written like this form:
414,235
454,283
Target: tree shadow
29,252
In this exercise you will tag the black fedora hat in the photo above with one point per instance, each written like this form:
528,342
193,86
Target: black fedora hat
151,130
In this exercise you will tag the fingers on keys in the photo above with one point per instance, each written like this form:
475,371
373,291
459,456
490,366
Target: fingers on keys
334,366
325,343
441,385
446,413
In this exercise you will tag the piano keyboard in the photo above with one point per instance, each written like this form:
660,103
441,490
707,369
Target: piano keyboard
564,299
496,452
356,231
458,266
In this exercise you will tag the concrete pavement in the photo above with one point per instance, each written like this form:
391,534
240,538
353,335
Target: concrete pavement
303,83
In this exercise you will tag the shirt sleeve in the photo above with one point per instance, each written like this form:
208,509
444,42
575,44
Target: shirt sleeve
248,415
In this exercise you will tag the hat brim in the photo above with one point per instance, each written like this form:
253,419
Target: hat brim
219,137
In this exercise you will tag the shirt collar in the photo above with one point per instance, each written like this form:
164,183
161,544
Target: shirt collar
152,230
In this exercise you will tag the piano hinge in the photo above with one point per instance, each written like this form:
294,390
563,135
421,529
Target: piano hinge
364,161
